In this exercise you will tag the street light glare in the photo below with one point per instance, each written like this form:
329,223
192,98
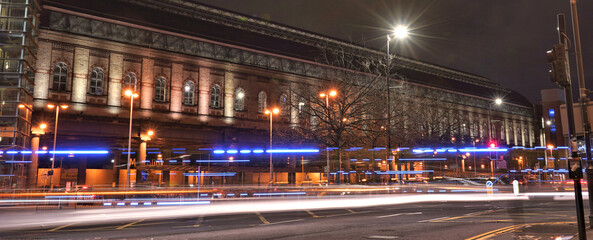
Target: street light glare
150,133
550,146
267,112
400,32
276,110
498,101
51,106
333,93
322,95
64,106
240,95
43,126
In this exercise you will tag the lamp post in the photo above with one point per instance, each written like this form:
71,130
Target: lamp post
400,32
132,95
498,102
271,113
53,155
331,93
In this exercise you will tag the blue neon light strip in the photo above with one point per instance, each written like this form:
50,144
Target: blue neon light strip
220,161
218,151
293,151
422,159
81,152
17,161
179,149
258,151
232,151
244,151
225,174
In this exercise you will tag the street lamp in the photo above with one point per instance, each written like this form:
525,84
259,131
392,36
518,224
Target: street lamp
129,93
53,156
331,93
271,113
498,102
399,32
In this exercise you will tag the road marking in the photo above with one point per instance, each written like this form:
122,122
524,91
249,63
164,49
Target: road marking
474,214
312,214
434,219
495,232
287,221
200,220
344,214
350,210
129,224
60,227
383,237
262,218
399,214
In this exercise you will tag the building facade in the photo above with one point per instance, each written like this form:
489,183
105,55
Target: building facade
204,77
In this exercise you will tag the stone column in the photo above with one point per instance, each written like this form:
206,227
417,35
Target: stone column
43,68
116,63
228,93
204,84
142,153
176,87
146,92
32,176
80,75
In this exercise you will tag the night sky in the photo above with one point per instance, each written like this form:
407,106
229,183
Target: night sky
503,40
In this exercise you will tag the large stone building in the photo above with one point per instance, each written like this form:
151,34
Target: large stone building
204,76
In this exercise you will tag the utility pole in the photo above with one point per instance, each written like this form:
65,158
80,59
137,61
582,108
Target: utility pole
584,102
560,74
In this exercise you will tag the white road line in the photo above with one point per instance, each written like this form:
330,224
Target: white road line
399,214
383,237
287,221
434,219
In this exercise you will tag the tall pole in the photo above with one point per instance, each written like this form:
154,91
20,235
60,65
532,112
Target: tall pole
271,166
53,155
387,74
571,126
584,102
129,143
327,147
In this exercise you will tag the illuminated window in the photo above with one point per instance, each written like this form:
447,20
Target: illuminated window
96,86
239,99
160,86
215,96
189,93
285,107
262,102
130,82
60,76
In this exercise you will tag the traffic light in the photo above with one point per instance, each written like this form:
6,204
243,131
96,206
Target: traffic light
559,72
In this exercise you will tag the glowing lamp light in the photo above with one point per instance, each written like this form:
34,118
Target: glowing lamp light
333,93
150,132
50,106
131,93
498,101
240,95
401,32
21,105
43,126
492,145
550,146
64,106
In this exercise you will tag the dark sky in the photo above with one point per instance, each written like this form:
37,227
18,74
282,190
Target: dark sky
504,40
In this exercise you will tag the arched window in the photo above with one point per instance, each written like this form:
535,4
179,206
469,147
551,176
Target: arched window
160,86
130,82
189,93
284,106
262,102
96,86
60,76
239,99
215,96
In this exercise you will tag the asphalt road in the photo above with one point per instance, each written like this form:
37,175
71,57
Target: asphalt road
518,219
